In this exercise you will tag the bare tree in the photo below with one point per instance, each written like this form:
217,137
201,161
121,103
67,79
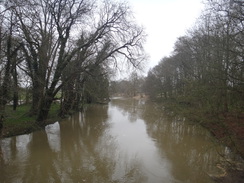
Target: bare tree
9,59
61,34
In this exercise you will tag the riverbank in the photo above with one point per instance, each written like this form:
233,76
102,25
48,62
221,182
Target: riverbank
19,122
227,128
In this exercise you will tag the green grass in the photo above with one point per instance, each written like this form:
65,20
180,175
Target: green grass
19,122
54,111
18,118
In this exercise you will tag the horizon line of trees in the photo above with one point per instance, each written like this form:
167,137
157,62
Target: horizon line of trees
64,48
128,87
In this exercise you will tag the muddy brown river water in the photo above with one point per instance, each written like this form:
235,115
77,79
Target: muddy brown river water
126,141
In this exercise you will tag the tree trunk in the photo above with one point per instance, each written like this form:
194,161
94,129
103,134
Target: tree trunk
15,100
15,79
68,99
37,95
44,109
4,90
1,125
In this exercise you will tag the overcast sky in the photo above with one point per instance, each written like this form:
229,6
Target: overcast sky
164,22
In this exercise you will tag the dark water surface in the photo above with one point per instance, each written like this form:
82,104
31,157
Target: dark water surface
126,141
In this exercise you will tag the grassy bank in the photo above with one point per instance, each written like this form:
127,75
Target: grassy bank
19,122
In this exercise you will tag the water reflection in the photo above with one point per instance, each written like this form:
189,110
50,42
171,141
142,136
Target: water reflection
125,141
137,156
192,149
53,136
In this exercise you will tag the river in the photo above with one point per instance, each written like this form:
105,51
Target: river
126,141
